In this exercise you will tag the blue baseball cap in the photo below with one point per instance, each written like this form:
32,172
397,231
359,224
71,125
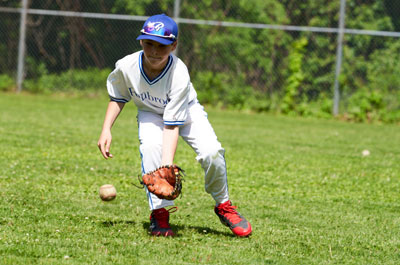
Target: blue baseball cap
160,28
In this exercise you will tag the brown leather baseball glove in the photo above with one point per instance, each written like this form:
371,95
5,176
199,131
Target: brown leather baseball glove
164,182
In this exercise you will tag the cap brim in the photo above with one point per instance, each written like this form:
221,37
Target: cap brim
155,38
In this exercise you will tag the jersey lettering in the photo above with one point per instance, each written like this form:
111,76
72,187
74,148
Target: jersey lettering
145,96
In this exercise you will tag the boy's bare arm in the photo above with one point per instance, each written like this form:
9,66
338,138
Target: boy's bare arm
104,143
170,142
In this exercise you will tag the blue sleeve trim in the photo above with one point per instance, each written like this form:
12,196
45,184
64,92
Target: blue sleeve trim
174,122
119,100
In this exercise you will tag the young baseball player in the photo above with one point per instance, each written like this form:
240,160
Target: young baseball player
159,84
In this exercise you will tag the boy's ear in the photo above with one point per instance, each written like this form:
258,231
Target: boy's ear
174,44
141,44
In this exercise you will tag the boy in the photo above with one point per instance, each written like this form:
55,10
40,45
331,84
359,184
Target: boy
159,85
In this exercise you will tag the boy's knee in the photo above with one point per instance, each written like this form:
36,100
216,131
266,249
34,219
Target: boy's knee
211,155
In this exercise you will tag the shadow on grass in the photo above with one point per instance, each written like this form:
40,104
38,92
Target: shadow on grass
178,229
199,229
116,222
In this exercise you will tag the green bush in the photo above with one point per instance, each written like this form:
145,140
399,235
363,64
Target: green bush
260,102
366,105
210,86
7,83
377,103
91,79
378,97
293,101
231,92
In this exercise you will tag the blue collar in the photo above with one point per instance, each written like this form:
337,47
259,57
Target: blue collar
161,75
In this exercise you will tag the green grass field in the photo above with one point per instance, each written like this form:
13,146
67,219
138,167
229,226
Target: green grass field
311,196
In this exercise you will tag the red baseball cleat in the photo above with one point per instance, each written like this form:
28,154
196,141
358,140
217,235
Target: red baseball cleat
230,217
159,222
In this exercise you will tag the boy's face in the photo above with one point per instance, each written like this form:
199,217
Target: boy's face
156,54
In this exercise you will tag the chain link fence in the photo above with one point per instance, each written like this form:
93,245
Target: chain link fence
266,54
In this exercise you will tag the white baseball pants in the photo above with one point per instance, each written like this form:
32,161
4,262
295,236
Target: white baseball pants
199,134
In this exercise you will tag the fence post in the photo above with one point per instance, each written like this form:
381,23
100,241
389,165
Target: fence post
339,51
177,9
21,45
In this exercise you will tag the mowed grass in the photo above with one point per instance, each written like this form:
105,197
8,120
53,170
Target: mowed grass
311,196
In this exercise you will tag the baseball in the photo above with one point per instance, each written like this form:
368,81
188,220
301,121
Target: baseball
365,153
107,192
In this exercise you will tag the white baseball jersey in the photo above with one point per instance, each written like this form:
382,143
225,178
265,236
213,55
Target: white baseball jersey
168,94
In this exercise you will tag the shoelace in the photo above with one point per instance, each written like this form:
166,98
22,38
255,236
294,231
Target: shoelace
162,217
230,213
